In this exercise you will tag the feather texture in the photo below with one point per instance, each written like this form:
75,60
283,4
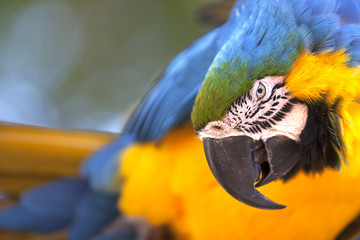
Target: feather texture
326,77
184,194
45,154
36,210
169,102
181,191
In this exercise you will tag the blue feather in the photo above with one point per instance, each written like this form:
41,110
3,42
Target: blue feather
322,27
323,18
46,208
159,110
302,11
63,194
250,35
320,7
20,218
307,36
94,211
349,10
345,35
348,37
169,101
166,105
58,205
101,168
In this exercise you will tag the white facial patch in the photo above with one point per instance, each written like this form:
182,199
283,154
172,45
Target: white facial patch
267,110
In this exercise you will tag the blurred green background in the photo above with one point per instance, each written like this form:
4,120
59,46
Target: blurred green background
86,63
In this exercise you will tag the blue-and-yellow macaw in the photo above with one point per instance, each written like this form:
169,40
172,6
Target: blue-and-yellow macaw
274,99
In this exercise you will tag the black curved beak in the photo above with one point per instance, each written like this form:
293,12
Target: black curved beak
232,161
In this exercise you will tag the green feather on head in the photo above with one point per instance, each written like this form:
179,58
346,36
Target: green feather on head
228,80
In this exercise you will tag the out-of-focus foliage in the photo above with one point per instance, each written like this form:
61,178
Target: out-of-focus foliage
79,64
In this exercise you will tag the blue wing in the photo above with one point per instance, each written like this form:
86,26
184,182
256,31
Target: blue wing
39,204
72,203
168,103
170,100
60,204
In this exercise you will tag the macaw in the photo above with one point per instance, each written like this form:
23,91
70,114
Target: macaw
273,96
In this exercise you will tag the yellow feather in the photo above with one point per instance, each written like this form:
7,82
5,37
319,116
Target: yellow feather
171,184
326,76
312,76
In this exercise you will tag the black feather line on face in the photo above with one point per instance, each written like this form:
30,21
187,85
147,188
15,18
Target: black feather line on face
320,139
323,145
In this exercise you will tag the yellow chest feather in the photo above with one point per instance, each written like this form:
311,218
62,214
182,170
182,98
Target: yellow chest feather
171,184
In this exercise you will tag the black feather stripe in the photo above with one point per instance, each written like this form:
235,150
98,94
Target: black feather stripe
254,113
268,113
258,128
321,142
287,107
271,121
275,104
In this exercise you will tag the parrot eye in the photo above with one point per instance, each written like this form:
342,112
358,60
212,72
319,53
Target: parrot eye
261,91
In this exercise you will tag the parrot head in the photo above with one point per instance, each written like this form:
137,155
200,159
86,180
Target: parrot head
268,107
